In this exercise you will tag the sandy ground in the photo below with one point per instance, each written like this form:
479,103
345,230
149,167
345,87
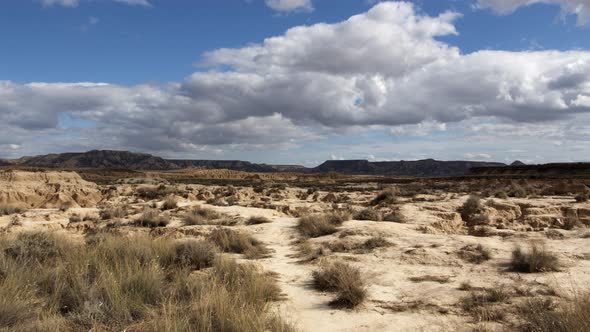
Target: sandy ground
421,247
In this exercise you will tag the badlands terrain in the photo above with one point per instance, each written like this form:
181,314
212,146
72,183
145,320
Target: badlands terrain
219,250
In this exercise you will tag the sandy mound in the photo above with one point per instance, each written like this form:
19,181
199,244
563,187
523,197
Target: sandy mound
47,189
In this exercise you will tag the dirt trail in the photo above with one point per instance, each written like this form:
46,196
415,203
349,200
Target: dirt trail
305,307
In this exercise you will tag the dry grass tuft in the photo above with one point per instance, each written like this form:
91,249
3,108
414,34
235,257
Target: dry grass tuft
201,216
151,218
476,254
169,203
482,304
237,242
544,315
316,225
113,212
257,220
133,283
431,278
387,196
6,210
537,259
375,242
155,192
471,210
368,214
343,279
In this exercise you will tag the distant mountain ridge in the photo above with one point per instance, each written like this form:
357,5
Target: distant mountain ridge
110,159
426,167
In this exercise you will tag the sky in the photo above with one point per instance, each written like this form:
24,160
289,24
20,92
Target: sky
298,81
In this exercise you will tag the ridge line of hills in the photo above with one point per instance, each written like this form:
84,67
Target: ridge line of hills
110,159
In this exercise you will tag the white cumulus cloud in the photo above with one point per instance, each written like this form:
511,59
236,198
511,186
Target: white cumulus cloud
290,5
381,70
75,3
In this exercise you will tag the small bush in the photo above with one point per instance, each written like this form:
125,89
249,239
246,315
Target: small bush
375,242
538,259
194,254
476,254
471,208
387,196
151,192
368,214
518,192
431,278
63,207
6,210
113,212
480,303
501,194
316,225
338,217
229,240
544,315
36,246
169,203
151,218
582,198
395,216
257,220
134,283
74,218
343,279
200,216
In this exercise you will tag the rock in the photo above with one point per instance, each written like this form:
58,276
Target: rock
47,189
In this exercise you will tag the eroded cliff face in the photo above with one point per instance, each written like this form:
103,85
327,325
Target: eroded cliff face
47,189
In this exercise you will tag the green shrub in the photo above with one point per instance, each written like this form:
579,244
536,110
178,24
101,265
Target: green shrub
471,208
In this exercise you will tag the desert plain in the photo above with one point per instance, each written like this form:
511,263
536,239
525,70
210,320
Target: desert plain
220,250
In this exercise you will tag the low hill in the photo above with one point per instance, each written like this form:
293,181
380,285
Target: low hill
426,167
543,170
98,159
110,159
234,165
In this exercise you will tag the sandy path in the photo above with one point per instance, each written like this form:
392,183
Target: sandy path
307,308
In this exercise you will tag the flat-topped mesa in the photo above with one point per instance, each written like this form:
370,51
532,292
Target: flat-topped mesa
47,189
98,159
426,167
234,165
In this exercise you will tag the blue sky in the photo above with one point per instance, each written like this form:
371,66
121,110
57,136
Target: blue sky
200,79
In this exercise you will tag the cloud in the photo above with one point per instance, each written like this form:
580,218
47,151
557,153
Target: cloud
581,8
75,3
383,70
64,3
290,5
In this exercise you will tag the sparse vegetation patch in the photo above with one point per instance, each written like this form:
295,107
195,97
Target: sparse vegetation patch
343,279
537,259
